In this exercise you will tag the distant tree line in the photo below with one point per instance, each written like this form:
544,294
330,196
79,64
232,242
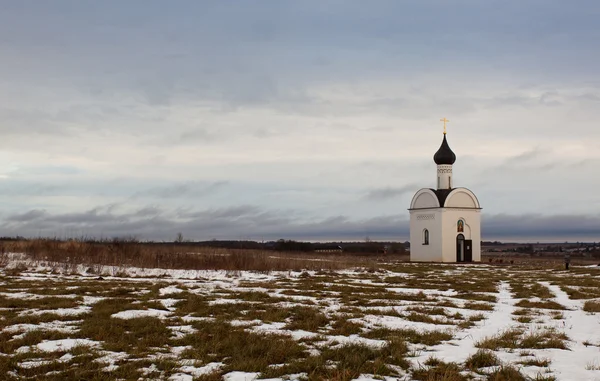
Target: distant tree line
288,245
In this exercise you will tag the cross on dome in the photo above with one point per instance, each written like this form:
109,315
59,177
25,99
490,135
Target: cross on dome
445,121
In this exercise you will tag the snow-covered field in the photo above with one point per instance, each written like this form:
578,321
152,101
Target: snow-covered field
399,322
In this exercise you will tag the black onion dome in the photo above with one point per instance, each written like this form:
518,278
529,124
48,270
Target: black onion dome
444,155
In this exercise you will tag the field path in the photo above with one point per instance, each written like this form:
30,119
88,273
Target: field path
581,327
461,347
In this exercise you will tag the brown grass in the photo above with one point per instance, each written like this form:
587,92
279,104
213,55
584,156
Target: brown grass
506,339
545,304
432,337
42,303
507,373
591,306
479,306
515,339
307,319
524,290
440,372
345,327
133,335
481,359
130,253
535,362
423,318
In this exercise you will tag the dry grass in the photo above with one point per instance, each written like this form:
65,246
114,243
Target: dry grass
432,337
477,296
134,336
440,372
423,318
347,362
481,359
557,315
582,292
593,366
506,339
479,306
326,303
535,362
344,327
524,319
516,339
39,303
591,306
507,373
307,319
130,253
34,337
544,339
545,304
243,350
527,290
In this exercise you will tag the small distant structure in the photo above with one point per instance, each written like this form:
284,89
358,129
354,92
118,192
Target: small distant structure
445,223
328,248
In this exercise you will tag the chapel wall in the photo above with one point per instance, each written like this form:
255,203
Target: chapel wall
432,221
471,230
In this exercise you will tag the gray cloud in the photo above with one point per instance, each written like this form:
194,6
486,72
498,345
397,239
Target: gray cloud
251,222
526,156
192,189
531,160
197,134
30,216
390,192
556,227
30,189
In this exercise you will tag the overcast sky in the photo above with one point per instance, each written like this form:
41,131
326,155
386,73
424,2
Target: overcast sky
296,119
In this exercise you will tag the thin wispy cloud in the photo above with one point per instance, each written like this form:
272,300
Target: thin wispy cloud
389,192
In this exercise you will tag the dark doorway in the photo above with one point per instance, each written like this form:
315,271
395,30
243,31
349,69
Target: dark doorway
468,250
460,248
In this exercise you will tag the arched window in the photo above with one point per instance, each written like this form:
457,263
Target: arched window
425,237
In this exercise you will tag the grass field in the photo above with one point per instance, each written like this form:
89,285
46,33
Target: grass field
384,320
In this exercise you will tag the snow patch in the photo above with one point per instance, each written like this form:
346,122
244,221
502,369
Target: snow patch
133,314
64,345
169,290
240,376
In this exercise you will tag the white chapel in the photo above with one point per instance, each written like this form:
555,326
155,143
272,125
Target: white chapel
445,223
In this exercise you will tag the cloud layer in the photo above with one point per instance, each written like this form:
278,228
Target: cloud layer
254,223
319,119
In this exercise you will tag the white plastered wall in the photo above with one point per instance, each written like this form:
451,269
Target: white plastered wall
430,219
472,231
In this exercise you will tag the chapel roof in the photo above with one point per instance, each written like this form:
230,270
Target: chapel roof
442,194
444,155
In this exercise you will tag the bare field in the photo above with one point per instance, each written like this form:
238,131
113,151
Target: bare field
373,320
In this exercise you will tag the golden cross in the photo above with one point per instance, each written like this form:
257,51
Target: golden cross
445,121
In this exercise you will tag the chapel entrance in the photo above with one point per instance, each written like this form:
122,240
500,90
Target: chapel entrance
460,248
464,249
468,250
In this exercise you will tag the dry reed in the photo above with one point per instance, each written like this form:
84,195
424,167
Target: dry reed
122,253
